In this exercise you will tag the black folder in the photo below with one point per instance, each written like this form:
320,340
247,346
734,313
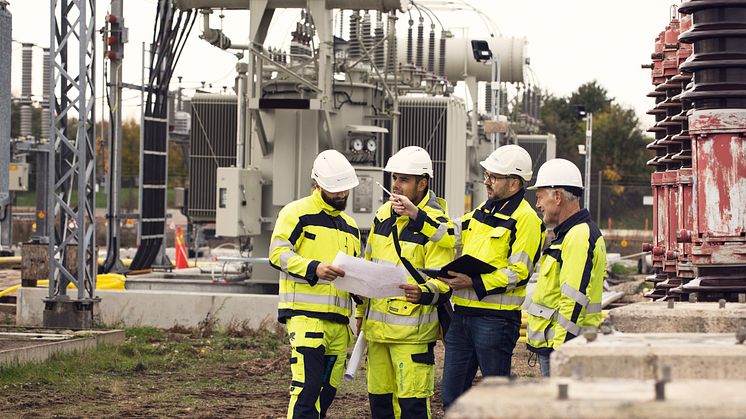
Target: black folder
466,264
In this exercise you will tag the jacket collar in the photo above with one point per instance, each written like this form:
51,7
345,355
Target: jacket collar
429,196
505,206
319,200
579,217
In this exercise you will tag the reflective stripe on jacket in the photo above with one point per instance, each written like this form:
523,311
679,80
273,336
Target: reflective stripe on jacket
568,293
307,232
508,235
395,319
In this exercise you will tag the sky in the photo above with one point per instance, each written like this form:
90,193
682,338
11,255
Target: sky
569,42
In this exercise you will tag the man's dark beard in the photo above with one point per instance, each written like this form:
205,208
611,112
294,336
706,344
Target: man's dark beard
338,204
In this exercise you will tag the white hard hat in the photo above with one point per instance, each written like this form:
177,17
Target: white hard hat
558,173
509,160
333,172
410,160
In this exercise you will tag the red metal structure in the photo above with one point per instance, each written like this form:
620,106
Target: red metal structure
699,186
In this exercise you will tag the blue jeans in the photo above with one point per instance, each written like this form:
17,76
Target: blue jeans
544,364
473,342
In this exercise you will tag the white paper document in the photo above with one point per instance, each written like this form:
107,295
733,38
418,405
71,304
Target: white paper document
369,279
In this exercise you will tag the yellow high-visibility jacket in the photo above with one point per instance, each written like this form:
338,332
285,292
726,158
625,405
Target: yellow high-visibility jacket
310,231
571,278
508,235
395,320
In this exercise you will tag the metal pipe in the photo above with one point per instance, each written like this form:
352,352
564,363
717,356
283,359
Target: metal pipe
242,80
588,145
142,137
215,37
113,264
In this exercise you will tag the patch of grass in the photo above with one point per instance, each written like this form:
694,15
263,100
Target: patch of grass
621,269
145,349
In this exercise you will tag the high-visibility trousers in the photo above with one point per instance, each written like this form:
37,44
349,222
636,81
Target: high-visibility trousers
401,379
318,354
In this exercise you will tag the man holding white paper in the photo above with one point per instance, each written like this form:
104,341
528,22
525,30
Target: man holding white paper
412,228
308,235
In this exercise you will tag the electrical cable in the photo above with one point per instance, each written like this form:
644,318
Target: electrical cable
170,33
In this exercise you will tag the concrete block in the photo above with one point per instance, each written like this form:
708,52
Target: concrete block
684,317
497,397
643,356
34,266
162,309
69,342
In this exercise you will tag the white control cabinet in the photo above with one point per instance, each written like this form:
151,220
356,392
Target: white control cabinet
239,202
18,177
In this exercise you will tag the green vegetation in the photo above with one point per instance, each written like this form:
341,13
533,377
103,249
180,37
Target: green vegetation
128,199
621,269
154,372
619,152
145,349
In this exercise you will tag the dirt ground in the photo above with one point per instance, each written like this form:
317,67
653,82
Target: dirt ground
240,381
182,373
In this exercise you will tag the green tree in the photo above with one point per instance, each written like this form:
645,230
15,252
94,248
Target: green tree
593,96
131,156
130,151
618,147
558,117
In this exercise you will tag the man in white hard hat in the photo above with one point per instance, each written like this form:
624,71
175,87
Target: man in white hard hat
567,297
308,235
505,232
411,229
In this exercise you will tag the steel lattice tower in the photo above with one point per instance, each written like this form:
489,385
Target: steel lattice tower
72,164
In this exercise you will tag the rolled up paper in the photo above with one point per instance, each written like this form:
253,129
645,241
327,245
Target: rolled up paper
357,355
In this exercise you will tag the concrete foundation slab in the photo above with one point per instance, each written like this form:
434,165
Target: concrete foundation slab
500,398
200,284
162,309
643,356
684,317
20,347
197,280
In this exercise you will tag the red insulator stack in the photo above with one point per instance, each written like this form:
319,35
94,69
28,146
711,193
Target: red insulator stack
699,183
670,162
717,125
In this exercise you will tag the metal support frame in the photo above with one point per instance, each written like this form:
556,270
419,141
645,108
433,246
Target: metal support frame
72,157
113,262
5,195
